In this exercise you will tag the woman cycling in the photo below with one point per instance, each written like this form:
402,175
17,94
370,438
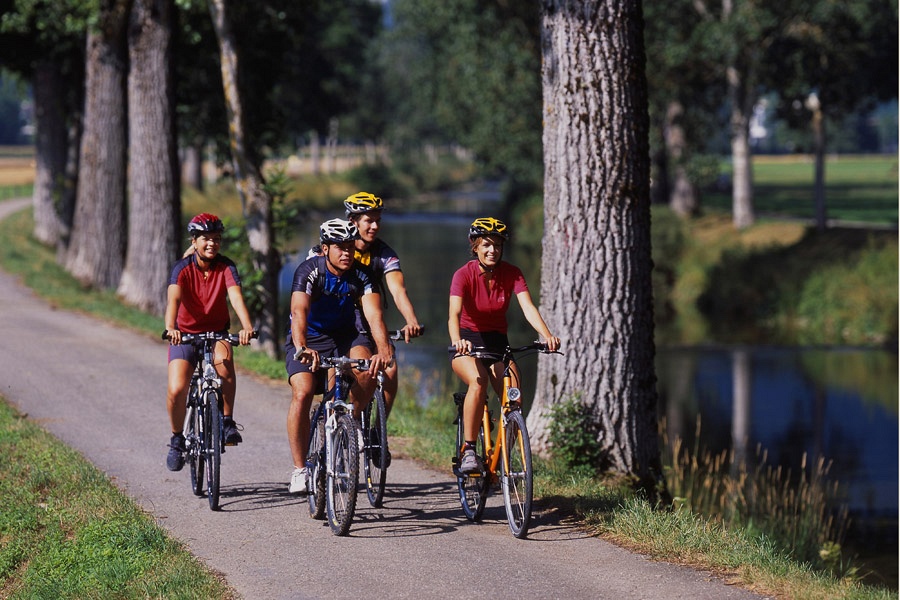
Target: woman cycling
480,294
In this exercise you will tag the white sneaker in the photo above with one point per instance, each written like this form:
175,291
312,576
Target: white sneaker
361,444
299,483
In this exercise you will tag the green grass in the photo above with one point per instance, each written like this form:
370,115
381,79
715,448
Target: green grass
857,188
67,532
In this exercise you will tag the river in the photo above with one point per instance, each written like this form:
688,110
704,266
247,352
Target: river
838,403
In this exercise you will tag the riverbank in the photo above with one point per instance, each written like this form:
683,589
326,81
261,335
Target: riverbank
679,537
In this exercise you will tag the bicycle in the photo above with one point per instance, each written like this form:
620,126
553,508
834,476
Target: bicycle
203,427
507,458
333,456
375,447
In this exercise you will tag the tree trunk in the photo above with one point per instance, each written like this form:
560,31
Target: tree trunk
595,286
155,206
50,152
818,130
255,200
97,249
683,199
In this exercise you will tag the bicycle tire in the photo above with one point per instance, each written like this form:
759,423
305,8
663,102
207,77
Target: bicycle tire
473,489
343,476
517,477
213,449
195,447
315,462
376,451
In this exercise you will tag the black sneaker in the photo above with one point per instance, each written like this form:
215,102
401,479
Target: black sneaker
374,440
232,435
175,459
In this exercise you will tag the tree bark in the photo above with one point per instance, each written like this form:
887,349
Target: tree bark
818,131
50,152
683,199
96,253
595,286
255,200
154,190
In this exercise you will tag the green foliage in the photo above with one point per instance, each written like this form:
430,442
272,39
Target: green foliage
573,435
668,238
467,72
772,294
853,302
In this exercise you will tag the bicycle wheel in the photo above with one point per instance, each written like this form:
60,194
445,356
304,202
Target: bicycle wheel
376,452
472,488
517,477
213,448
194,446
315,462
343,476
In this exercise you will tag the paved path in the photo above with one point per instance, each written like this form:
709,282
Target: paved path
101,390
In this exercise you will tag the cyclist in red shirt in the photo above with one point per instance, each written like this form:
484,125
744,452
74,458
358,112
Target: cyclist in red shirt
480,294
200,286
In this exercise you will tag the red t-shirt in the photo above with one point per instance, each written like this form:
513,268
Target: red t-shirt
204,300
483,308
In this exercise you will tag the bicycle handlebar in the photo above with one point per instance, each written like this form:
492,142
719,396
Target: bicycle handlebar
482,352
218,336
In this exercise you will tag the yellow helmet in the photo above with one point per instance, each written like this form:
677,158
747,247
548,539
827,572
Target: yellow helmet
362,202
488,226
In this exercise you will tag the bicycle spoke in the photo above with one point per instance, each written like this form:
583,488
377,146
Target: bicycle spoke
517,476
343,476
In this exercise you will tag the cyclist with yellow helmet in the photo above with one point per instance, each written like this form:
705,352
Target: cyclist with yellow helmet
364,210
480,294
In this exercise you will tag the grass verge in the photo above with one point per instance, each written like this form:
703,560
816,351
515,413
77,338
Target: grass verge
67,532
605,506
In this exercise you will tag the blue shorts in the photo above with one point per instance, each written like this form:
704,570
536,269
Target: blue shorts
325,345
188,352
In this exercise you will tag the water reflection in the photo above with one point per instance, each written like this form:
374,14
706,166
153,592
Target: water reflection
837,403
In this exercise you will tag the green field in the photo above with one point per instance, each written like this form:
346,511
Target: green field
857,188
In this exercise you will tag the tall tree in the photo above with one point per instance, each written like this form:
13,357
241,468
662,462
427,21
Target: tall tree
96,252
49,38
256,201
834,57
595,284
154,192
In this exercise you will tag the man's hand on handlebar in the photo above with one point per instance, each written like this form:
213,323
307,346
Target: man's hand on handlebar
308,356
412,330
379,362
174,336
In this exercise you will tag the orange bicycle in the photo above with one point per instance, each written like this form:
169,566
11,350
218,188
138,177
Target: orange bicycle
507,458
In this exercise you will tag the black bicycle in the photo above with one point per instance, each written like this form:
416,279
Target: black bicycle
203,427
376,456
333,455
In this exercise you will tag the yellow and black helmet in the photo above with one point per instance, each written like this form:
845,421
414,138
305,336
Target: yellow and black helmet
362,202
483,226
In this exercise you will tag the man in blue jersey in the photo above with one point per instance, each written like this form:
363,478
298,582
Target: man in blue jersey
324,295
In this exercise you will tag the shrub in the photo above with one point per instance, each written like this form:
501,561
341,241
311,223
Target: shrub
573,435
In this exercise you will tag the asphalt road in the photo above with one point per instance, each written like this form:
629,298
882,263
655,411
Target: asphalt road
101,390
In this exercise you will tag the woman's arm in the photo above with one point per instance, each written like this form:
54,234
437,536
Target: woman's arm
462,346
534,318
240,308
173,301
